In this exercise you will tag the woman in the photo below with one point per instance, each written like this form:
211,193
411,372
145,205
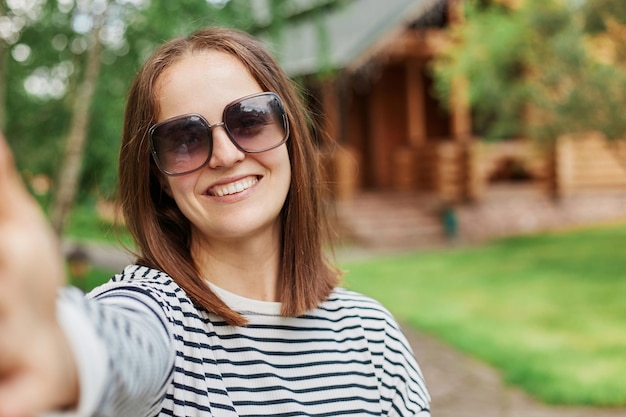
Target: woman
232,308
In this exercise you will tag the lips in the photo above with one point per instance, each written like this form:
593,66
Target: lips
233,187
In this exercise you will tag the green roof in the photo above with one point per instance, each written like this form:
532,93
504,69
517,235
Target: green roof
343,36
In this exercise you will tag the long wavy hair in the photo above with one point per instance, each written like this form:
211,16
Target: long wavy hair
163,234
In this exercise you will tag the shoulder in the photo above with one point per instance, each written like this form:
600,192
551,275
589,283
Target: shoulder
351,302
359,311
142,284
138,276
395,365
378,324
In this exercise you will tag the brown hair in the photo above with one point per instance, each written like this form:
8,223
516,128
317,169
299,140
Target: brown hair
162,233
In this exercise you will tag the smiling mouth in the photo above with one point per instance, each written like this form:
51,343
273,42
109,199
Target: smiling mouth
233,187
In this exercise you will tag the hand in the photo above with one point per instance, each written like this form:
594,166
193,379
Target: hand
37,372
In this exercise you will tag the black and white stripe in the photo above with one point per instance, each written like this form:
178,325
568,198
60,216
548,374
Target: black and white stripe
345,358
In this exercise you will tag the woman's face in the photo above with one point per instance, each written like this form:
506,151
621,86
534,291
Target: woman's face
236,195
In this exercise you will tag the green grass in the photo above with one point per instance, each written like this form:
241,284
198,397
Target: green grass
84,224
549,311
93,278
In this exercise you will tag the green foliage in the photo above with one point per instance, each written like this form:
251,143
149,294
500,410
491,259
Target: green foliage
546,310
492,66
530,71
597,13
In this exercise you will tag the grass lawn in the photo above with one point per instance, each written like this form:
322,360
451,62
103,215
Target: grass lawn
549,311
94,277
84,224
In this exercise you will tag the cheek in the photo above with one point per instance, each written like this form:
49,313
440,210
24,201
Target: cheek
178,187
282,164
286,166
283,174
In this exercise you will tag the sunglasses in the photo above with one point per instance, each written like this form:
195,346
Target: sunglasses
254,124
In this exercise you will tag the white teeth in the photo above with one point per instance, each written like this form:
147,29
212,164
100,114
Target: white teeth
235,187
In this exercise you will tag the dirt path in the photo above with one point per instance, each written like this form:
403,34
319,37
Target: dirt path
463,387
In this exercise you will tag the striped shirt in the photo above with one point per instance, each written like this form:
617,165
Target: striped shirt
167,357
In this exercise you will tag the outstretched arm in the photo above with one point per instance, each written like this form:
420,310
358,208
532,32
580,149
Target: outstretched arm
37,369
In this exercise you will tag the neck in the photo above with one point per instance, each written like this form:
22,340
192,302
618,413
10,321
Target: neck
247,267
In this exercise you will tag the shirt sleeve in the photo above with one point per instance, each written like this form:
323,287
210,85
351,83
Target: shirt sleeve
403,379
410,396
122,346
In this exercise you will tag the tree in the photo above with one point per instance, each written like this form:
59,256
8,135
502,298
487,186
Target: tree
69,173
532,69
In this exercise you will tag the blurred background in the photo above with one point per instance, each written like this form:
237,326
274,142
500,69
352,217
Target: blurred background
475,156
467,119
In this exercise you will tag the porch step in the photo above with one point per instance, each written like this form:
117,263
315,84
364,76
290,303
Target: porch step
391,221
396,221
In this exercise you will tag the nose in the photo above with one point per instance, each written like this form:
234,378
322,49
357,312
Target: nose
225,153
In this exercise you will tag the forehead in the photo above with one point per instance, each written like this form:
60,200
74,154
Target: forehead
203,82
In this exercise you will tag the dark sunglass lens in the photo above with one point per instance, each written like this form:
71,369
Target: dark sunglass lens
256,123
182,145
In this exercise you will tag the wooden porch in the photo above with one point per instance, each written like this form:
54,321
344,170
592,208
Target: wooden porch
399,221
496,189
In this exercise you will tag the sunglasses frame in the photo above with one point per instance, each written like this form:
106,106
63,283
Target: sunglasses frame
210,128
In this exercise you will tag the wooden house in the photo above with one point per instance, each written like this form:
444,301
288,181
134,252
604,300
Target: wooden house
365,67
